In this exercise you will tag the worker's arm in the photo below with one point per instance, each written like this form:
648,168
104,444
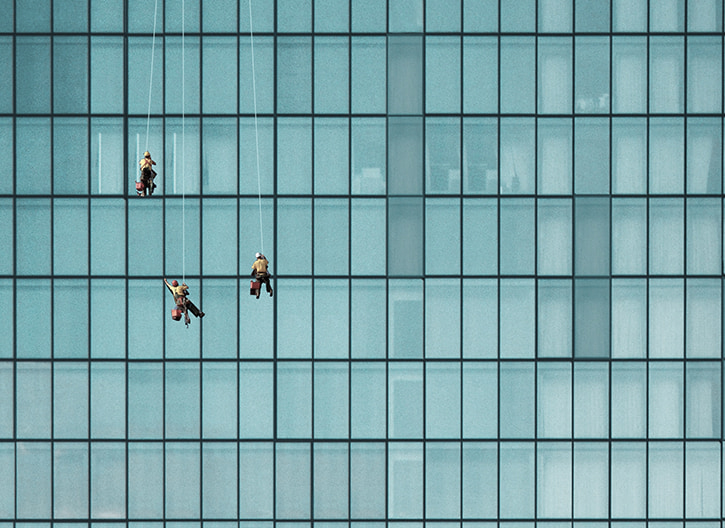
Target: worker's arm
168,285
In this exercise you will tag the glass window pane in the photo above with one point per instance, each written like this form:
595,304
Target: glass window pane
108,237
517,71
442,73
629,74
666,400
331,159
555,16
70,326
516,401
108,400
368,89
7,409
554,338
182,478
256,400
704,324
108,338
182,400
292,480
70,146
704,243
480,156
629,480
107,75
368,397
702,497
331,74
629,236
256,477
629,318
442,400
480,74
219,468
665,479
443,155
145,256
480,236
145,399
32,142
591,479
704,156
367,317
553,479
70,480
591,155
405,155
516,479
480,15
108,480
629,397
554,240
592,15
294,72
218,396
330,483
405,400
107,164
219,237
667,15
331,236
405,73
405,236
7,148
443,480
705,15
591,235
405,318
294,400
367,481
219,151
517,236
331,400
256,174
331,323
480,318
32,241
33,399
554,75
32,71
70,74
179,239
32,318
554,160
442,246
294,315
219,83
294,231
442,318
405,480
517,143
629,15
517,316
703,403
704,74
256,72
629,156
33,481
294,157
367,231
143,79
591,401
480,480
666,236
182,92
553,400
480,386
591,318
666,73
666,155
441,15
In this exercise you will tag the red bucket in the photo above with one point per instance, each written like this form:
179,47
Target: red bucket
176,314
254,287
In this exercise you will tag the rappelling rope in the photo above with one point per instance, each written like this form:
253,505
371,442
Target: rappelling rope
256,129
151,76
183,151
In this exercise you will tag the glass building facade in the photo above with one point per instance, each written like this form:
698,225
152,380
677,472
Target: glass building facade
495,229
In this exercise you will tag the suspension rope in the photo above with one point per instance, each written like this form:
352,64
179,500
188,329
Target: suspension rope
151,76
256,128
183,151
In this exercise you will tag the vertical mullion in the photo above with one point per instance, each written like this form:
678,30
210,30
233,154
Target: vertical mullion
498,263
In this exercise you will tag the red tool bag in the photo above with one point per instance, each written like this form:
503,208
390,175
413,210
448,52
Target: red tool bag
176,314
254,287
139,186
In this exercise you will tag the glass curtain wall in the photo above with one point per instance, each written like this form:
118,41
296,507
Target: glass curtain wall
495,231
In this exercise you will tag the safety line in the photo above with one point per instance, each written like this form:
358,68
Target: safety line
183,149
151,76
256,129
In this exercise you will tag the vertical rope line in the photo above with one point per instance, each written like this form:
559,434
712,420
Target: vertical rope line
151,76
183,148
256,128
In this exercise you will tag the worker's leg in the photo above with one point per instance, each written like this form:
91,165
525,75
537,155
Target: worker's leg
193,309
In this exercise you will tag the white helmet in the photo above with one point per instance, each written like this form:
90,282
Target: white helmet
258,255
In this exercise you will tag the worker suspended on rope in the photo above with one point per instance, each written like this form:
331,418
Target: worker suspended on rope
261,274
183,304
148,174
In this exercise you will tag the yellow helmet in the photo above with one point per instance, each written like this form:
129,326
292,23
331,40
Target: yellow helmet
147,154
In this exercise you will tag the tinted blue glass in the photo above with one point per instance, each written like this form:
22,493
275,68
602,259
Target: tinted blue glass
107,75
443,155
591,318
106,15
32,242
703,324
33,482
256,400
442,16
442,480
591,156
518,16
405,311
145,480
666,232
555,16
701,499
187,12
369,163
331,400
219,394
480,73
442,318
331,156
181,70
517,73
591,236
32,319
32,142
108,237
331,75
405,478
367,481
702,399
182,477
667,16
555,307
368,315
442,236
553,400
294,75
368,397
704,245
405,400
480,385
405,155
70,325
516,400
591,401
108,338
368,74
70,75
145,400
665,479
146,297
629,74
553,479
592,15
629,156
220,16
108,476
629,480
256,477
517,478
182,247
33,399
405,16
146,16
256,74
142,79
252,136
294,400
7,408
6,150
330,486
107,165
405,74
331,328
666,74
146,253
219,237
369,15
591,476
180,173
219,468
405,236
629,318
443,74
219,339
480,479
294,231
35,15
7,7
182,400
554,240
554,75
219,83
295,315
71,16
367,231
70,480
517,144
480,236
705,16
294,15
293,481
704,168
294,155
7,325
70,146
517,236
442,401
480,318
628,15
108,400
70,246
